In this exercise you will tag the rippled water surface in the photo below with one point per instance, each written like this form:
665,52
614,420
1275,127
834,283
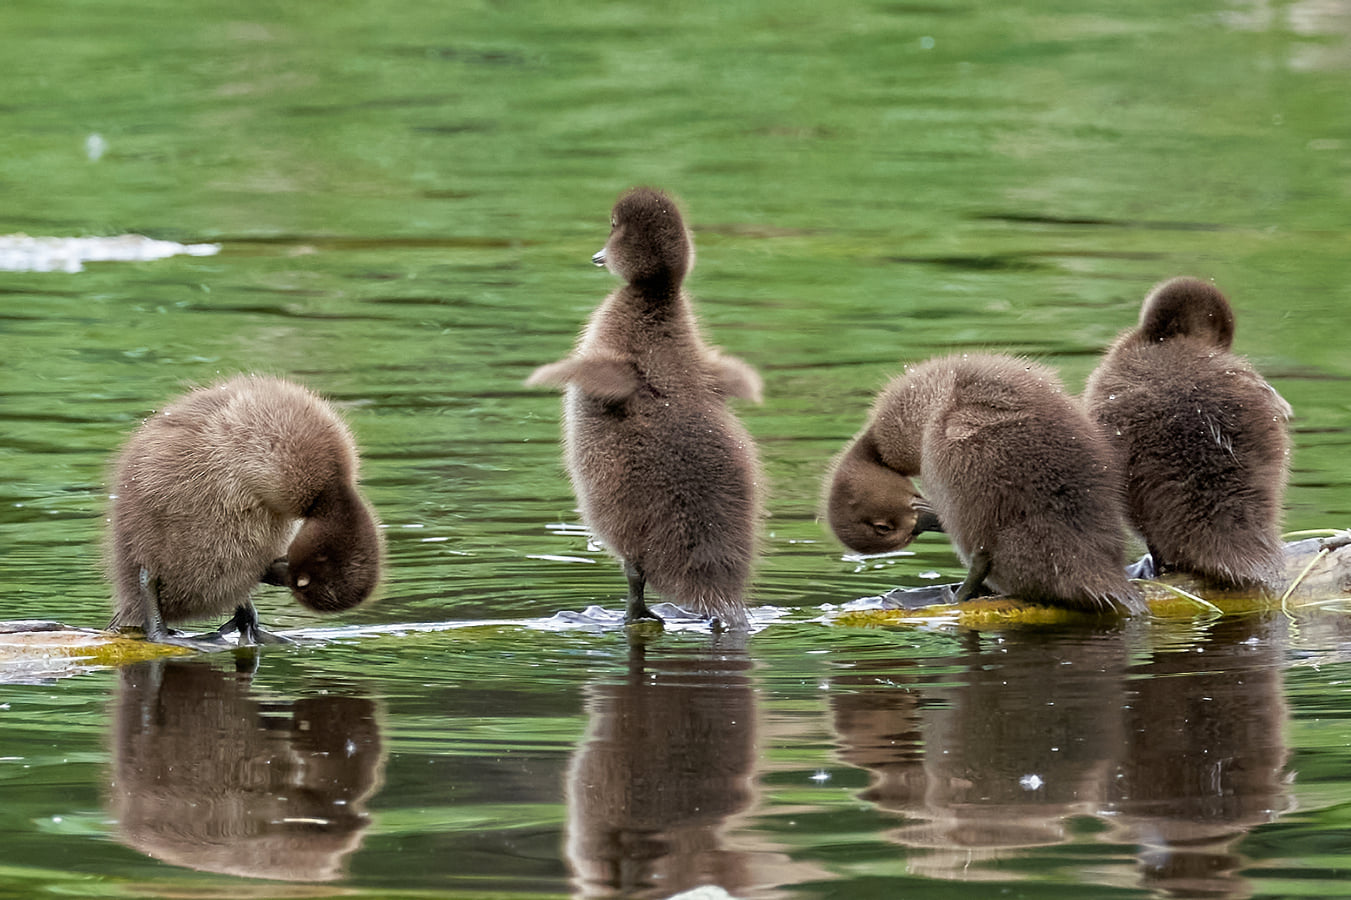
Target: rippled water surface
406,197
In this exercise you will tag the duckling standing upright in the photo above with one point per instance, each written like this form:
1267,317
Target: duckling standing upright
252,479
1202,437
665,474
1019,476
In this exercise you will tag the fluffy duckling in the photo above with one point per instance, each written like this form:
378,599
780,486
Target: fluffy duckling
252,479
1202,438
665,475
1019,476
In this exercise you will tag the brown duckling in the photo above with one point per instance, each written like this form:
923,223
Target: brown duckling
665,475
1203,439
252,479
1019,476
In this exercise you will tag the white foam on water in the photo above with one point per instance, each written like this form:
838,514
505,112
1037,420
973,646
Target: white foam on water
25,253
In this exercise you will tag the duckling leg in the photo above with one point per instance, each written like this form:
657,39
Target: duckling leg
974,585
245,621
154,619
637,610
155,630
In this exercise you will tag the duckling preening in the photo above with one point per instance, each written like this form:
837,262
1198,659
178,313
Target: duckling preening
251,479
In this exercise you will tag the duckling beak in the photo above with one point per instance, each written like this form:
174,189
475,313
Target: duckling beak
599,258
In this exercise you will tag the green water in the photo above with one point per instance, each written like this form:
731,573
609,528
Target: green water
407,196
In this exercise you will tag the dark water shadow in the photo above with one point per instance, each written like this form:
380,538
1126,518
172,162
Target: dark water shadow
1045,740
210,775
1039,219
665,769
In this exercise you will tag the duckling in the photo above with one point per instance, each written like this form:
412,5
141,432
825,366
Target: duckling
665,475
1203,439
1018,475
252,479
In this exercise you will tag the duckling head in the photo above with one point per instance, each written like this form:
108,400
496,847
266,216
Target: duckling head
874,509
649,244
334,561
1188,307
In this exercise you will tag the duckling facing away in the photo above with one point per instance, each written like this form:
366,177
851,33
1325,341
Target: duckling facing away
665,474
252,479
1202,438
1019,476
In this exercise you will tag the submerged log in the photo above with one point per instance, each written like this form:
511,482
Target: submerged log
1317,571
37,650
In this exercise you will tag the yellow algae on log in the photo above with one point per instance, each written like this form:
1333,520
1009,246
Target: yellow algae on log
1317,570
44,648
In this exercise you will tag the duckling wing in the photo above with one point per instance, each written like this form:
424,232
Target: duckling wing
607,378
737,378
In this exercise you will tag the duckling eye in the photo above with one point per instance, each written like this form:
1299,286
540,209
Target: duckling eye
882,526
614,223
303,581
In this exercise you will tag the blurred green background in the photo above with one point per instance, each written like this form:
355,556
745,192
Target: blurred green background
407,195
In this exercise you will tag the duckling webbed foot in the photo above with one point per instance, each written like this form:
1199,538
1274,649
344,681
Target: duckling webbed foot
245,621
210,642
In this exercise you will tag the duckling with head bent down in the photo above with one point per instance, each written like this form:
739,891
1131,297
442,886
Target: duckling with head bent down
1019,477
252,479
665,475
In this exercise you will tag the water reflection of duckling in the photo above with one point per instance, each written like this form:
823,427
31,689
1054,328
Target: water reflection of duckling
205,776
1202,437
665,475
1018,475
208,496
1019,734
1204,757
668,759
1011,744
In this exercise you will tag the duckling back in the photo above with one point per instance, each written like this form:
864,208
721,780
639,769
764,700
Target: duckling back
1016,473
671,487
1202,438
211,490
